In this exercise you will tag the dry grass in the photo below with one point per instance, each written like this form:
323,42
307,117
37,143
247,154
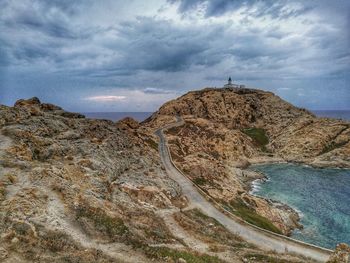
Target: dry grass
164,253
2,192
11,178
209,230
111,226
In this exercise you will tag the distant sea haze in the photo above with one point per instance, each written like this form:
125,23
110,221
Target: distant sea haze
336,114
141,116
116,116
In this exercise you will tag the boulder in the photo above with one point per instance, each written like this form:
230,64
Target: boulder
341,254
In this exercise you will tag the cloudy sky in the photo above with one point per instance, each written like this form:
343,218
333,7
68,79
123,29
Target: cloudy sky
116,55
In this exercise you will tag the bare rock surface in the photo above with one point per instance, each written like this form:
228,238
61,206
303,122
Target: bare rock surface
341,254
228,129
74,189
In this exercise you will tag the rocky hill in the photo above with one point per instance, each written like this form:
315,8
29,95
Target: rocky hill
271,124
81,190
227,129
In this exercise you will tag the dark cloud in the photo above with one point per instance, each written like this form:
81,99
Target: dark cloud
160,46
274,8
84,46
47,17
52,28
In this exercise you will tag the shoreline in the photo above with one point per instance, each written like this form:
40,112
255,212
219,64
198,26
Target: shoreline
280,160
256,186
263,180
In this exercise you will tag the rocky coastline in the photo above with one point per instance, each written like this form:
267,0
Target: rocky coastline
227,130
83,190
74,189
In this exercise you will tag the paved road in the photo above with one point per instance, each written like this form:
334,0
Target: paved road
254,235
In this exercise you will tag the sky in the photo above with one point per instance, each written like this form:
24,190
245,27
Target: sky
116,55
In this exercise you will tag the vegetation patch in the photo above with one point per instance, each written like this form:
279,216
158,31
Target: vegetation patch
332,146
248,214
199,214
152,143
209,230
200,181
259,137
57,241
112,226
2,192
164,252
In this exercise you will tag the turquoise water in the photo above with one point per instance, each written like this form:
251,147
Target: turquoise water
321,196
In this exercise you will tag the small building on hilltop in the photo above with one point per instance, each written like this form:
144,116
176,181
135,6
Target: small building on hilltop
230,84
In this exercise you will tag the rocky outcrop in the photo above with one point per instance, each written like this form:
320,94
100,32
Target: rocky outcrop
74,189
227,129
63,188
292,133
341,254
128,123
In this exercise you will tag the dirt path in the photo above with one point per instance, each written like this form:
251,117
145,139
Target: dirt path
179,232
58,220
261,238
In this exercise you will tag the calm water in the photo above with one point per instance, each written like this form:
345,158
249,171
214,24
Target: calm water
116,116
337,114
321,196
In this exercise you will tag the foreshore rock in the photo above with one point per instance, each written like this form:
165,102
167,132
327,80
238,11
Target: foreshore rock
341,254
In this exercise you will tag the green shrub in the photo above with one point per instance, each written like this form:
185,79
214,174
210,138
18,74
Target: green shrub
249,215
332,146
200,181
152,143
259,137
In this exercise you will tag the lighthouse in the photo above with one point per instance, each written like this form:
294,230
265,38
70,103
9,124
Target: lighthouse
232,85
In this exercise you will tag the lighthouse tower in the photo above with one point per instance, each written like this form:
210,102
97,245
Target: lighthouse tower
232,85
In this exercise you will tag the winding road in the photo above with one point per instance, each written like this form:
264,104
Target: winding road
261,238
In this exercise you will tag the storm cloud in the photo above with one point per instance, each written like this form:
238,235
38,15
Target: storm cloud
65,52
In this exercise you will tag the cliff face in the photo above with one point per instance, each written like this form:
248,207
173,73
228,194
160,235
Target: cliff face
82,190
226,129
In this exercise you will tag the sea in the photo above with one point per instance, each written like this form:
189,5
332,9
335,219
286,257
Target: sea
116,116
336,114
320,196
141,116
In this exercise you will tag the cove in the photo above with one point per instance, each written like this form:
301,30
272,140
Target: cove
321,196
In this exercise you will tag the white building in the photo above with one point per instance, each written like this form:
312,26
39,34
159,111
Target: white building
232,85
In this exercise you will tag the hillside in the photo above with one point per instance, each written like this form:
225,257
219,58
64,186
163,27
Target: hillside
227,129
80,190
272,125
